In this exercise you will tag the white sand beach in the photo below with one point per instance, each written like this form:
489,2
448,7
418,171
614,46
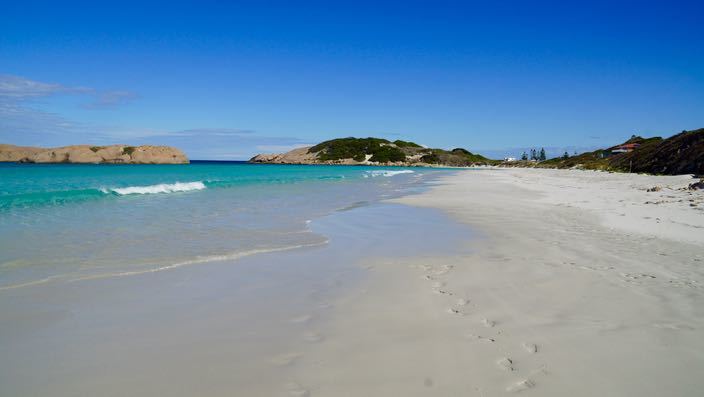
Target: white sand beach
581,283
491,282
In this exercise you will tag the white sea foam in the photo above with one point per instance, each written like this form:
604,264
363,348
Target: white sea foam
203,259
160,188
375,173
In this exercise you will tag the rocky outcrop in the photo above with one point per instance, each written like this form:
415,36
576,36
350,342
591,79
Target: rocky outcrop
295,156
16,153
697,185
86,154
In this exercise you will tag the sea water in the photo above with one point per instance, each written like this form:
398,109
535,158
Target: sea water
66,222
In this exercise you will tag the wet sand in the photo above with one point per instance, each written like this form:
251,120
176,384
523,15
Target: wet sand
218,329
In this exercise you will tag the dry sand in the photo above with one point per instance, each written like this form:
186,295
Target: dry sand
578,285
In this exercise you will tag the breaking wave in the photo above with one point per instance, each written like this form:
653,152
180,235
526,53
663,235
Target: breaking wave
375,173
160,188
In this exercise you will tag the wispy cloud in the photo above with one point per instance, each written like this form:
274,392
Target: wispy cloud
15,89
19,88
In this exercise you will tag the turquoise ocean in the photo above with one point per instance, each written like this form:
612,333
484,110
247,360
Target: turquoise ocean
67,222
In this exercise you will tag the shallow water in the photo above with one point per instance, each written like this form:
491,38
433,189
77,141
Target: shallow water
220,329
68,222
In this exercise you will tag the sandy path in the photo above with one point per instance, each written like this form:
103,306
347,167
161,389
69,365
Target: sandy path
575,287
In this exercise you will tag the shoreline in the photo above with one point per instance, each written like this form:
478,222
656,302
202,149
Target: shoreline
486,283
238,326
552,299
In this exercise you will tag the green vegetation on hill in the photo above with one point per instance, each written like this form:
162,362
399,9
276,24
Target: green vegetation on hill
679,154
384,151
401,143
357,149
458,157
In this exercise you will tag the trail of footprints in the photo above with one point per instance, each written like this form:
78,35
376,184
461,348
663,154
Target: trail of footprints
459,308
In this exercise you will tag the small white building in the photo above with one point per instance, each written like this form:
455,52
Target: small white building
510,159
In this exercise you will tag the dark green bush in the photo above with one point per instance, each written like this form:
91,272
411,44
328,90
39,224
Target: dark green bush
386,154
357,149
401,143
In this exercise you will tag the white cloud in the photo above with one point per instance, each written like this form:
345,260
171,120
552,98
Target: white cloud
19,88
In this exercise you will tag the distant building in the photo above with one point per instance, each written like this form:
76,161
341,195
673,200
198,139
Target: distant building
625,148
510,159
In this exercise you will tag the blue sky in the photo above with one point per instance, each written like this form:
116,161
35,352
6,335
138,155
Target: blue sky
228,81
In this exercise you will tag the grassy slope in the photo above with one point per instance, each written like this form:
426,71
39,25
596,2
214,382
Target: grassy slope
680,154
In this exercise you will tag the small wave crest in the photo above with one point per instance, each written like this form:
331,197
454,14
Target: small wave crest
160,188
387,173
200,260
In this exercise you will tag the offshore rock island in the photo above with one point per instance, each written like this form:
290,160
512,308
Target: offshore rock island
86,154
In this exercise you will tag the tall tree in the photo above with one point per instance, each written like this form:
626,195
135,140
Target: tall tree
542,154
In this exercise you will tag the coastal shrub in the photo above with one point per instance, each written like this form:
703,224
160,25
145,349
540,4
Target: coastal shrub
401,143
430,158
128,150
95,148
385,154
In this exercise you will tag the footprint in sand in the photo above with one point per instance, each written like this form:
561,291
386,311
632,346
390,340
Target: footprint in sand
438,284
454,311
285,359
442,292
636,276
505,363
530,347
481,338
462,302
521,385
444,269
313,337
684,283
488,323
296,390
